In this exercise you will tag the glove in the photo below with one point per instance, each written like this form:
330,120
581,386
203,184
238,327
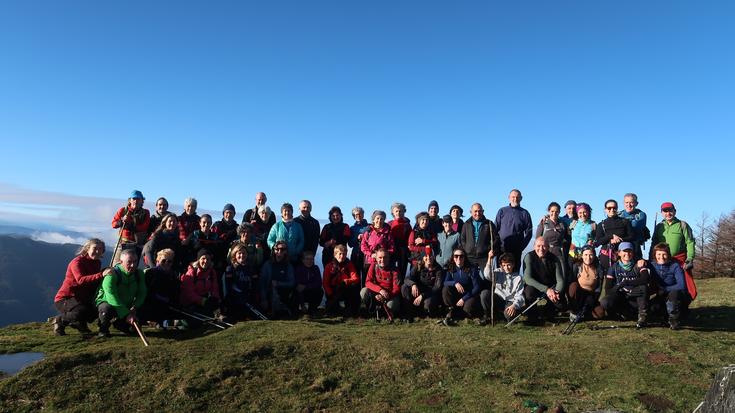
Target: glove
688,266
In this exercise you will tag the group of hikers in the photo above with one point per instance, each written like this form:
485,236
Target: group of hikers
442,266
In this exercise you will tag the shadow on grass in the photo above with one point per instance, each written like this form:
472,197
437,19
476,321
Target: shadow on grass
719,318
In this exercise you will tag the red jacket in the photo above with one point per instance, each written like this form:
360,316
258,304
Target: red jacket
136,222
382,279
428,237
187,225
197,284
83,277
400,229
336,273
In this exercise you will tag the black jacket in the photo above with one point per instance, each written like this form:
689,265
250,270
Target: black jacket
480,248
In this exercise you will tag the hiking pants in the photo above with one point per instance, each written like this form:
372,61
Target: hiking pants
72,311
311,296
580,298
351,297
531,294
429,304
367,297
621,301
471,306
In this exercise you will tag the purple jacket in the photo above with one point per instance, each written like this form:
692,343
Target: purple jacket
310,277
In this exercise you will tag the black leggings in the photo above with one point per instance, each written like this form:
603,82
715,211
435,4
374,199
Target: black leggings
72,311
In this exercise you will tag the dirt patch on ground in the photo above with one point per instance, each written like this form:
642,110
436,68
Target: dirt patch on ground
655,403
661,358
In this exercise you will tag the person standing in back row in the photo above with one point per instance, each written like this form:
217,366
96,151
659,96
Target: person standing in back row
610,233
514,227
253,217
309,225
637,219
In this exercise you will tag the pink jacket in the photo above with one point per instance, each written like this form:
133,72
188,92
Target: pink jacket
373,239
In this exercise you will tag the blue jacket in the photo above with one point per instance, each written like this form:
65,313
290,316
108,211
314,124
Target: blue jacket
447,244
514,227
294,237
669,276
638,221
470,281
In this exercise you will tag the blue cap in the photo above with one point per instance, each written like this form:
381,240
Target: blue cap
136,195
625,246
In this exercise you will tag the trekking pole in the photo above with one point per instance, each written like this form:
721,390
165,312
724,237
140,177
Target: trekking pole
210,322
543,297
140,333
492,297
572,324
387,311
212,319
119,238
255,311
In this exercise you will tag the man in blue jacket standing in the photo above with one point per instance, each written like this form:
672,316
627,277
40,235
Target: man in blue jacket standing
514,227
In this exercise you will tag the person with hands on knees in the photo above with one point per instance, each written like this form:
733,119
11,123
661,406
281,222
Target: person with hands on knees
678,235
423,286
669,277
123,291
461,287
278,282
341,284
381,284
627,285
542,273
309,292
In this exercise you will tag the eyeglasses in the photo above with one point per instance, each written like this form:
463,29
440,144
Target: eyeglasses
458,255
611,208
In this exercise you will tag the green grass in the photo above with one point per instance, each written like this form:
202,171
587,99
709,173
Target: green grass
366,365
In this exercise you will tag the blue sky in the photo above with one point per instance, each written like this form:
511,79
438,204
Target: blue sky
368,103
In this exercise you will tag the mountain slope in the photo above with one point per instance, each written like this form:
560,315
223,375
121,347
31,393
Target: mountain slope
368,366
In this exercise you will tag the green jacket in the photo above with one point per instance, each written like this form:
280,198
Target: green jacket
679,240
122,290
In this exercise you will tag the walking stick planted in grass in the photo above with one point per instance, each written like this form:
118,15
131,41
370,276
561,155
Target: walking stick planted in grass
119,238
140,333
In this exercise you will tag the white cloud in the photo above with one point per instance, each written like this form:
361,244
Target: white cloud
57,238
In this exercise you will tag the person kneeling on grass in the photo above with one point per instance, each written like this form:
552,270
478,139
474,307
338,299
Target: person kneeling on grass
75,299
341,283
200,288
163,289
381,284
238,284
627,285
423,286
461,287
672,291
309,292
585,288
543,275
123,291
508,294
277,282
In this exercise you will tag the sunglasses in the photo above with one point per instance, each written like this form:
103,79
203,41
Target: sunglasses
611,208
166,261
667,210
458,255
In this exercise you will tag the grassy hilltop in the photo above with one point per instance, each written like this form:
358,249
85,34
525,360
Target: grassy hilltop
365,365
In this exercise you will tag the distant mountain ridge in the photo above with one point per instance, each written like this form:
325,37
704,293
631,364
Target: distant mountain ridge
30,274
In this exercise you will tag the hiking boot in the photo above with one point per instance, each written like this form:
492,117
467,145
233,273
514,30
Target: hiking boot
674,323
104,331
58,326
449,321
483,321
81,326
641,320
